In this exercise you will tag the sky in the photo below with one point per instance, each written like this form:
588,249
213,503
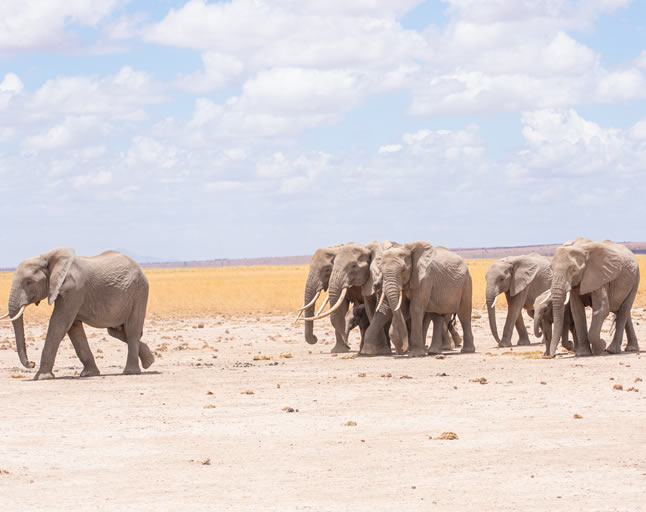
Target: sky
186,130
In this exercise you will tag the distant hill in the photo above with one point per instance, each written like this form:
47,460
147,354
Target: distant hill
467,253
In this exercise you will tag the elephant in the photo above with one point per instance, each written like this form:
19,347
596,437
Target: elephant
353,279
356,317
521,278
609,274
105,291
434,280
318,280
544,319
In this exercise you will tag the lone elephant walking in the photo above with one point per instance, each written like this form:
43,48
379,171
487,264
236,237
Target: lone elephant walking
106,291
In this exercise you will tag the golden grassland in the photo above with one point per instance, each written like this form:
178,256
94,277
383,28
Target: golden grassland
250,290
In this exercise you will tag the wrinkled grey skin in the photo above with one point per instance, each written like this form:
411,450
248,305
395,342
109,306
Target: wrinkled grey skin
318,279
522,279
434,280
609,273
544,319
356,268
105,291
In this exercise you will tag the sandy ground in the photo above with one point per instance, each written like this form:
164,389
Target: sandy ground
154,442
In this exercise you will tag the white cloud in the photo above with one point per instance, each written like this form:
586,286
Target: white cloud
40,24
72,131
92,180
118,97
390,148
219,69
638,131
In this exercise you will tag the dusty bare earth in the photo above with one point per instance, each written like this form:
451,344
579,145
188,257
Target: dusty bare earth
207,427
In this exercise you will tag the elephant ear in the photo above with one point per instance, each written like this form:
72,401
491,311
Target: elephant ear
59,262
524,272
374,273
421,253
602,266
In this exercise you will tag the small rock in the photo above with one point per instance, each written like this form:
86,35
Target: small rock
247,392
350,424
618,387
481,380
286,355
361,374
577,416
17,375
448,436
206,462
209,406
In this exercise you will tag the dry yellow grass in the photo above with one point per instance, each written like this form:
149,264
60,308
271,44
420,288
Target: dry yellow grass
249,290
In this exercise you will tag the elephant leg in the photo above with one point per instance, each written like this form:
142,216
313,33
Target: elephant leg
577,310
447,341
428,317
82,348
436,340
145,355
59,324
416,338
547,336
600,310
633,344
567,322
464,315
514,307
375,341
338,322
364,323
523,337
455,335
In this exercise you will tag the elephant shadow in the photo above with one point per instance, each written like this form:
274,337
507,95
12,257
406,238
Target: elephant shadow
116,374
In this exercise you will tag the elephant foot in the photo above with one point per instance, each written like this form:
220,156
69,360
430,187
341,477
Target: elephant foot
135,370
523,342
145,355
90,372
598,348
312,340
43,375
583,352
468,349
340,348
504,343
632,347
367,351
417,352
613,349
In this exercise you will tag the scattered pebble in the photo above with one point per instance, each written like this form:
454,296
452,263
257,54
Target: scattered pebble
440,357
445,436
17,375
618,387
206,462
289,409
633,388
543,382
247,392
261,358
481,380
286,355
404,376
361,374
350,424
387,375
209,406
577,416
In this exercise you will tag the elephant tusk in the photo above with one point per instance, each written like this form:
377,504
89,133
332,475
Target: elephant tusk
381,300
327,299
399,303
494,301
567,298
4,316
19,314
300,314
332,309
313,301
548,297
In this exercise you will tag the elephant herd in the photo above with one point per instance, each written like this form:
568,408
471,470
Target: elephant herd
397,291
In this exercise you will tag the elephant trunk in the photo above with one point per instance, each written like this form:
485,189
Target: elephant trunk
558,311
492,293
312,286
392,290
337,319
19,330
538,322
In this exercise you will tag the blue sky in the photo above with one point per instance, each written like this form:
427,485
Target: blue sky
197,130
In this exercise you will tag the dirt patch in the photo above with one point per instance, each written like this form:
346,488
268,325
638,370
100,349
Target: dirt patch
207,426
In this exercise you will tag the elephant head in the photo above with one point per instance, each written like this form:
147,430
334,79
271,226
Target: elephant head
34,280
318,280
512,274
355,265
403,269
584,264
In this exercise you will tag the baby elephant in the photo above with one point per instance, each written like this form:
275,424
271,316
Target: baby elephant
544,318
105,291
